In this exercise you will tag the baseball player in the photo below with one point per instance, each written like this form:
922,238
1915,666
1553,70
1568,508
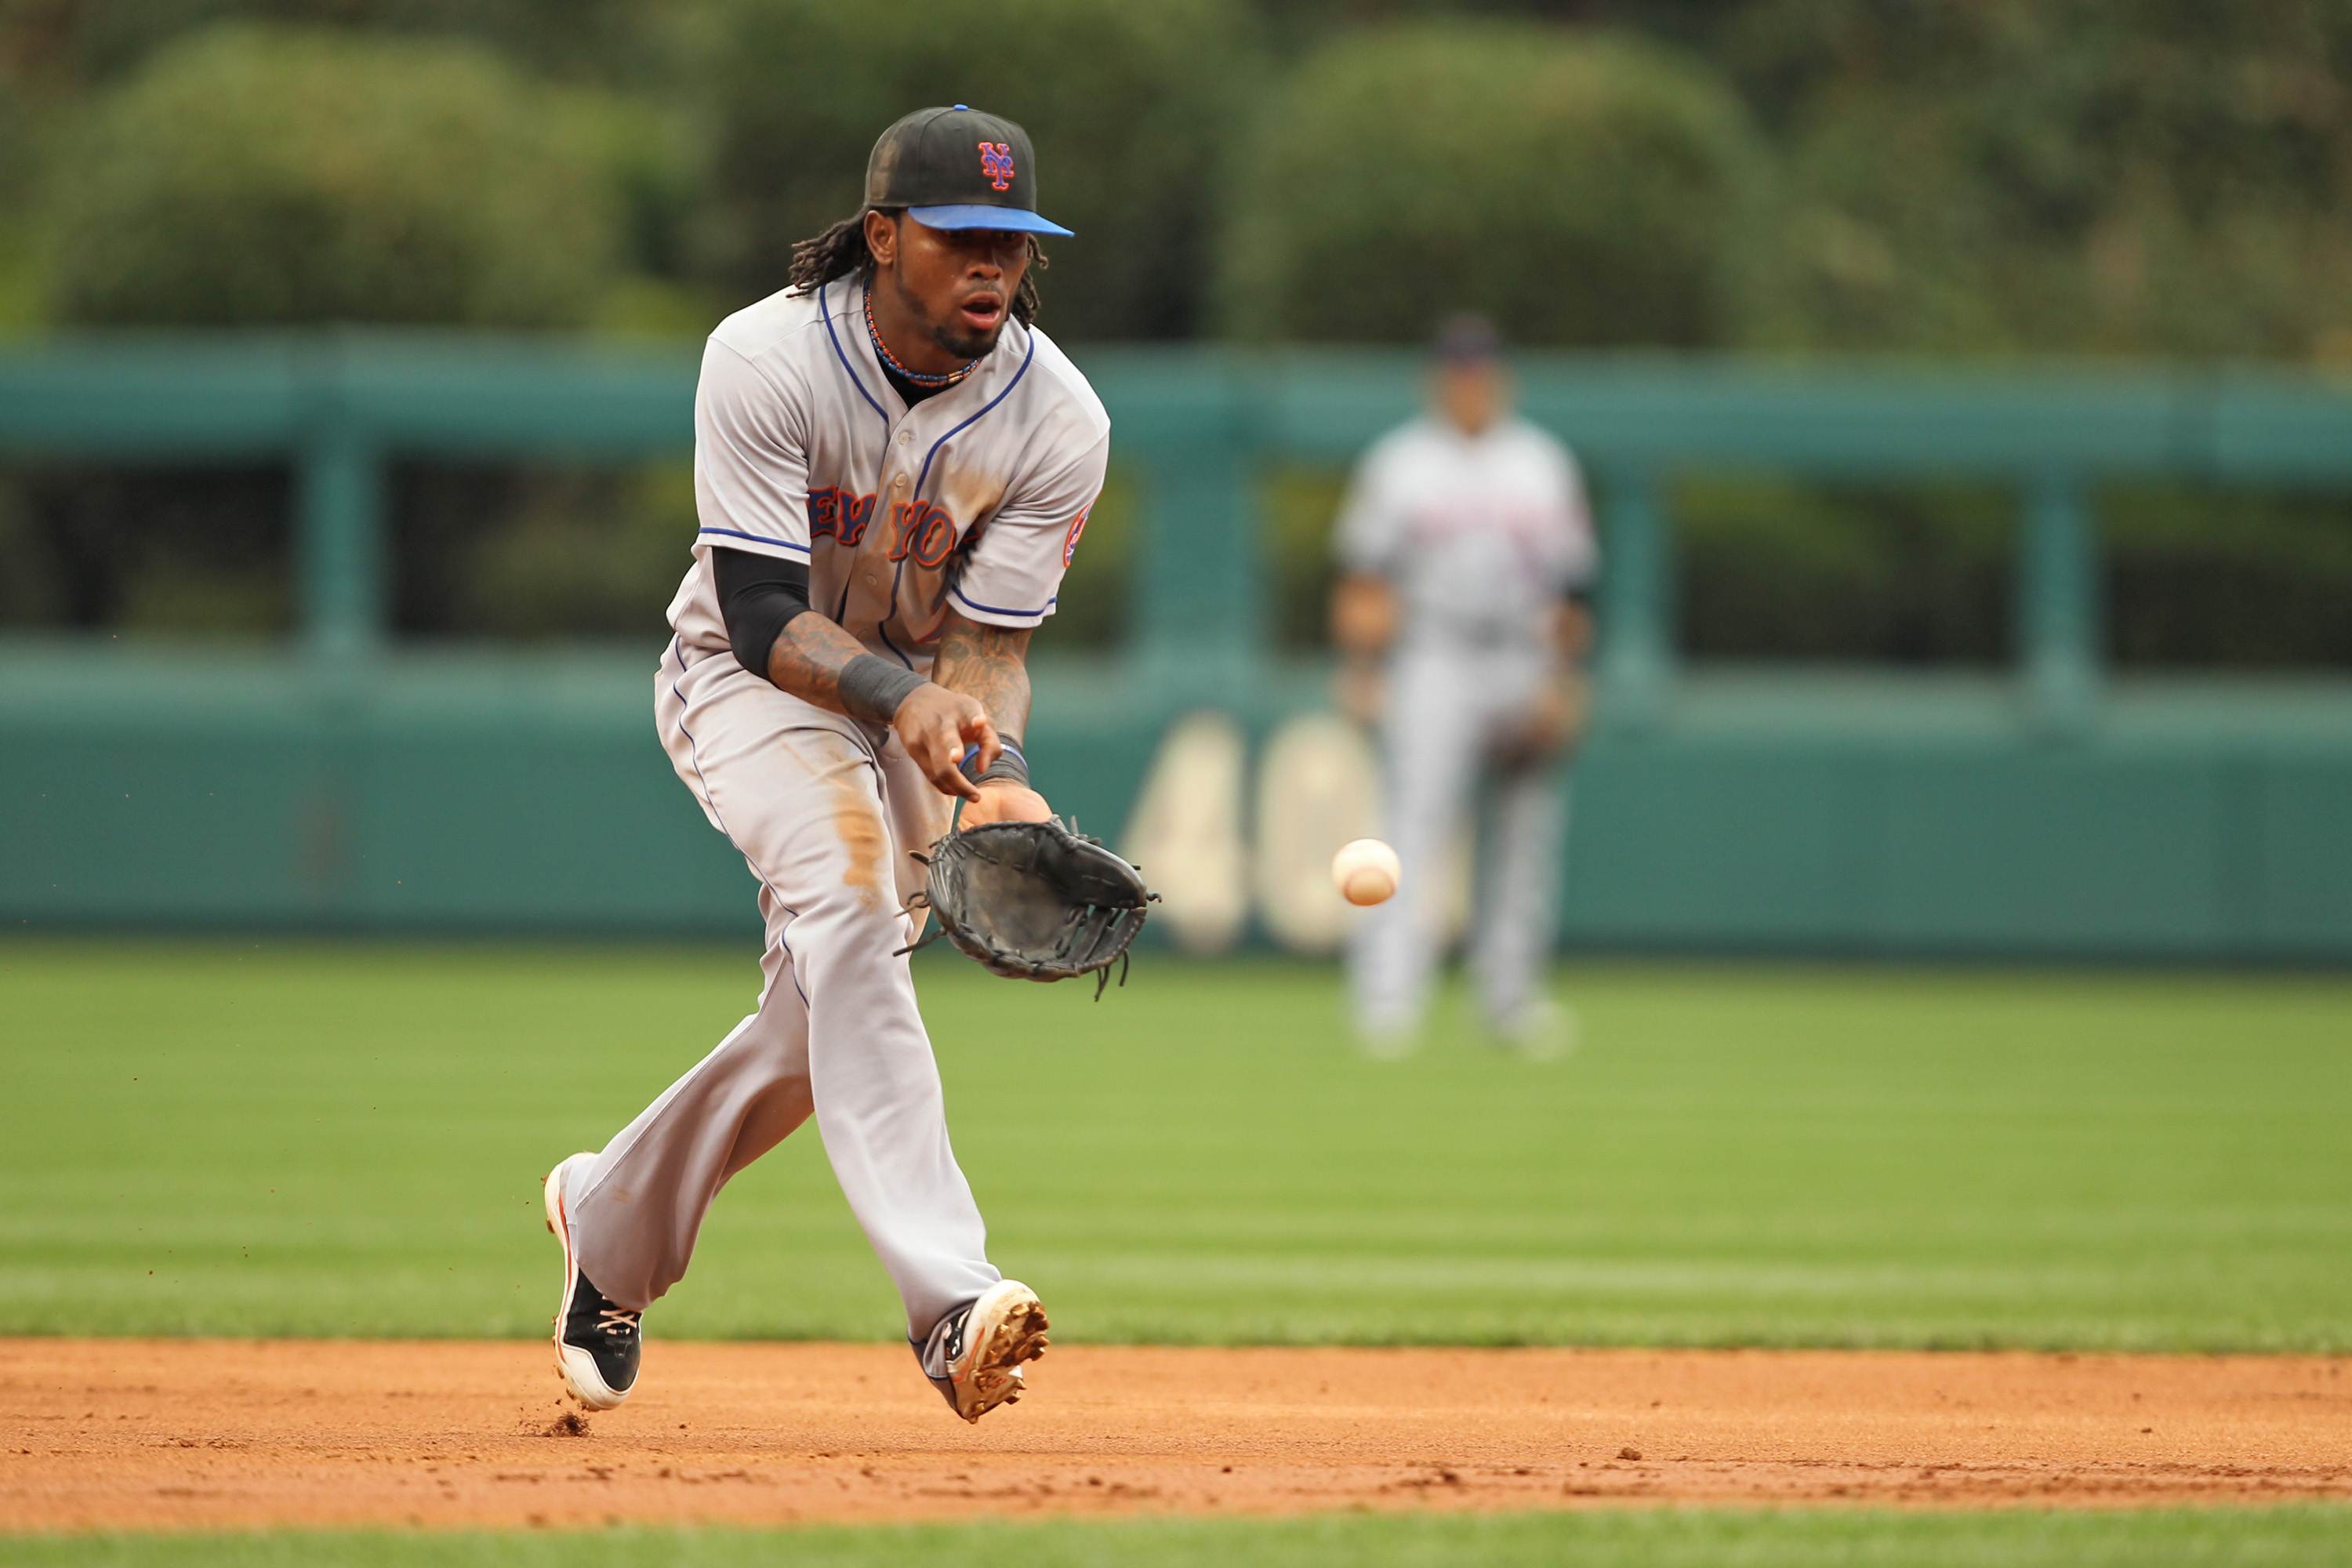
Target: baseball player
892,468
1467,551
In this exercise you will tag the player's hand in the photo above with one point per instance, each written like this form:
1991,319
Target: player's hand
1004,801
1359,687
1364,615
935,725
1551,725
1571,630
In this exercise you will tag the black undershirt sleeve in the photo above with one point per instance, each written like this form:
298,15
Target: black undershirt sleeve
758,595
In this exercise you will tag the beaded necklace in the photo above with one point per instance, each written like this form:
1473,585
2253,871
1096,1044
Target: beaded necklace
891,360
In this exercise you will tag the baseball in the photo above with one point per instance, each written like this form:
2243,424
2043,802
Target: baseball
1366,871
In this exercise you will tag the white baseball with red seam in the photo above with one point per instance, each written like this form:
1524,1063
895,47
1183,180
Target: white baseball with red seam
1366,871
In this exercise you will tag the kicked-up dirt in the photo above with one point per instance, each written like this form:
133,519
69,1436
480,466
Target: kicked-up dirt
186,1433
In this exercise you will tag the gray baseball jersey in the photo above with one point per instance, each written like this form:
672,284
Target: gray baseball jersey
1480,534
973,499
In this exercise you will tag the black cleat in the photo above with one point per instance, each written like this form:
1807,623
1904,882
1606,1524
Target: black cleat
596,1342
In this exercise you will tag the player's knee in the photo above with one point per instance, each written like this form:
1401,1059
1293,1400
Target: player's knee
850,919
768,1052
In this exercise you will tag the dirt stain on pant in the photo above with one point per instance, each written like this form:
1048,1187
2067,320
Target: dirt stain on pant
857,822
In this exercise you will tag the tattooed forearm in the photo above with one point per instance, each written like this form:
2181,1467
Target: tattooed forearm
987,663
983,663
808,660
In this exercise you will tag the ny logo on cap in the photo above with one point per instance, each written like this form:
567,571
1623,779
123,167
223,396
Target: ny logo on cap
996,164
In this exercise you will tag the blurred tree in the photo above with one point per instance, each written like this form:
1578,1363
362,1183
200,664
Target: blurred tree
612,61
19,295
651,158
184,551
2203,576
30,593
249,176
1777,568
2048,175
1300,507
538,553
1130,106
1581,189
1925,573
1295,24
65,43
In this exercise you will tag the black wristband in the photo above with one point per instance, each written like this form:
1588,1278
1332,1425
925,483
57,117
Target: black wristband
872,687
1009,765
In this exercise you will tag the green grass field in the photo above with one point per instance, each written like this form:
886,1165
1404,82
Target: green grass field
291,1139
2216,1538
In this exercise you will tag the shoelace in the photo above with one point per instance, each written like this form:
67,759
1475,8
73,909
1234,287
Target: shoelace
619,1321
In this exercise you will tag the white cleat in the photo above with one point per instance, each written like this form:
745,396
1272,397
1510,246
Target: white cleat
985,1350
1543,1031
1386,1043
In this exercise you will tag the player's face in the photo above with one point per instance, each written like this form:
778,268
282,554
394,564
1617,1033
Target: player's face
955,287
1472,396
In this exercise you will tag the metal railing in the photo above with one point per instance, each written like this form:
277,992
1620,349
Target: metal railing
1199,424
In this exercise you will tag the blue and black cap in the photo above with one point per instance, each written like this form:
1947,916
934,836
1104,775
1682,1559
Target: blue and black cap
1467,340
958,168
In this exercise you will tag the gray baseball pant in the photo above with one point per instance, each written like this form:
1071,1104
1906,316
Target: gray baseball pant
825,810
1448,706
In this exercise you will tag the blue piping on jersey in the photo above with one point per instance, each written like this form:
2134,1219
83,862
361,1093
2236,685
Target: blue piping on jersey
898,574
939,602
924,476
756,538
975,418
999,609
824,314
884,636
882,626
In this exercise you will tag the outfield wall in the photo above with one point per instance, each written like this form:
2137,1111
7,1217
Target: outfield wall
1856,814
347,782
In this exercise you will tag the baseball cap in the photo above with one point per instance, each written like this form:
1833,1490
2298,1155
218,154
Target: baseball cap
1467,339
958,168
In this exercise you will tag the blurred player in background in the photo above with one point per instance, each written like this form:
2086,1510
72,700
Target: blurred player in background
1467,551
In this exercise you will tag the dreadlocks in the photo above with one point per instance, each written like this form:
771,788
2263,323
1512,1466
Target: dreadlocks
840,252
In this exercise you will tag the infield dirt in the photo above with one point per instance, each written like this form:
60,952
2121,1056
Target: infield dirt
186,1433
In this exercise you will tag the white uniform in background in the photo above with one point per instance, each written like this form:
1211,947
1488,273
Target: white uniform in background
975,499
1480,536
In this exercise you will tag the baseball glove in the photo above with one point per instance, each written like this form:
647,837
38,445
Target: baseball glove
1034,901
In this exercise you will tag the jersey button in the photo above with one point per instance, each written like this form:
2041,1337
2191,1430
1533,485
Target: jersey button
905,437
